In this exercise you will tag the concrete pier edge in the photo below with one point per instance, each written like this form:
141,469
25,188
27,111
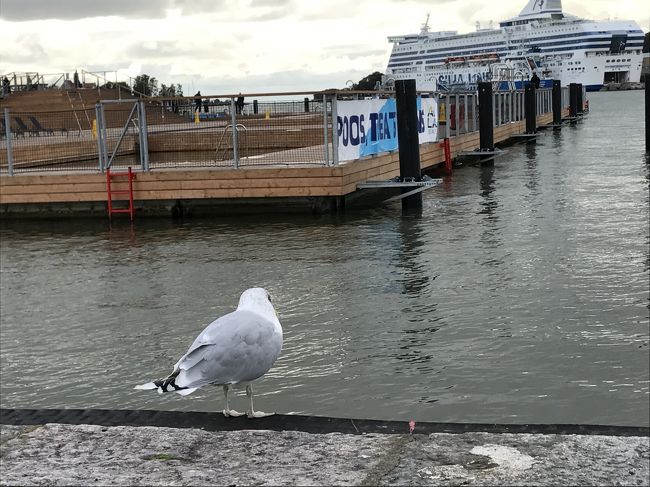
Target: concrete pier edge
215,421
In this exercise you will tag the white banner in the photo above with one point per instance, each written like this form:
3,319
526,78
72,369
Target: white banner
367,127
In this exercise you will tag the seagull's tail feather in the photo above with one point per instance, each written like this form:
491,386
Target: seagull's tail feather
168,384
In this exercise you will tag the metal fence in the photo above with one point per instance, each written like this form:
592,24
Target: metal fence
459,111
207,133
195,132
47,141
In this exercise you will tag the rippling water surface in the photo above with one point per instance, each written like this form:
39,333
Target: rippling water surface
520,294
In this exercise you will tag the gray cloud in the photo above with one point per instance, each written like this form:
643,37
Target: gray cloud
23,10
168,51
277,82
352,51
256,10
227,10
30,51
158,50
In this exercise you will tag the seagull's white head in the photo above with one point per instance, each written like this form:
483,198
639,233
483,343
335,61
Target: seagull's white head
257,299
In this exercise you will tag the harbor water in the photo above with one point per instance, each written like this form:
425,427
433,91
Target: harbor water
518,295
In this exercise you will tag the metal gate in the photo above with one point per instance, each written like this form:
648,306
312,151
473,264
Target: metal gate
120,136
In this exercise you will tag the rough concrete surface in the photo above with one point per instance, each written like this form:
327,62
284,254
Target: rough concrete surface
56,454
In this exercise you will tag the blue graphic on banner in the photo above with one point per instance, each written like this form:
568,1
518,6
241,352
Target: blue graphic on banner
369,127
383,130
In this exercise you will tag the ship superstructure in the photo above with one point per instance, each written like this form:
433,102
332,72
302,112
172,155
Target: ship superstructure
541,38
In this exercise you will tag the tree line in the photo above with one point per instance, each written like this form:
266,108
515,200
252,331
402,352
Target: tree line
148,85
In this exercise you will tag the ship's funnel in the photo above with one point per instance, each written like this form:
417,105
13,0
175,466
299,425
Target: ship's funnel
536,7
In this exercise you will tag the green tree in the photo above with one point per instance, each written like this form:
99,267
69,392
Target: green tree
369,82
145,85
171,90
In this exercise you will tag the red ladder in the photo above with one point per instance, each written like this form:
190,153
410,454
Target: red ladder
446,145
115,175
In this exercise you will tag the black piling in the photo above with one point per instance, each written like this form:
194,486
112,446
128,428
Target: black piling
485,116
306,105
530,108
579,99
647,114
573,100
408,139
557,105
255,107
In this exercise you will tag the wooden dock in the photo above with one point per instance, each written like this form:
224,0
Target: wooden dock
197,190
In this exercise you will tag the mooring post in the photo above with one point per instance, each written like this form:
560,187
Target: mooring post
8,135
573,100
485,116
530,108
579,99
647,115
408,139
557,105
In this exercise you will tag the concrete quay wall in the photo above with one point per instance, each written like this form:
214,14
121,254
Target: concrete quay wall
62,454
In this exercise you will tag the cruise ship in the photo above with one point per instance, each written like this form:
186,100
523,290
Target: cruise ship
540,39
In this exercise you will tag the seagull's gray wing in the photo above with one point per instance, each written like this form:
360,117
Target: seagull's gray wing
238,347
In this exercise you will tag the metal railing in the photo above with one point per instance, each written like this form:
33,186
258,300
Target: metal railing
459,111
197,132
34,81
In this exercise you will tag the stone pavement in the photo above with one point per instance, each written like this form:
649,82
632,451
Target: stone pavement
83,454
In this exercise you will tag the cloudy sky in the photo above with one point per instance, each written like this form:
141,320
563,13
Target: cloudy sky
248,46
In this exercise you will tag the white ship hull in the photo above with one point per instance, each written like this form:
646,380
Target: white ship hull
555,45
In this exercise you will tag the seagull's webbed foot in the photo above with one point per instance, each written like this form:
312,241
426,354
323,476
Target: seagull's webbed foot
251,413
231,413
258,414
227,412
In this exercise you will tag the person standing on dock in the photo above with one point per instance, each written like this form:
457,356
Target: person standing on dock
239,104
535,80
197,101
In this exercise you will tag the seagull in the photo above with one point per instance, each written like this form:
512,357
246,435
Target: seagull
235,349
